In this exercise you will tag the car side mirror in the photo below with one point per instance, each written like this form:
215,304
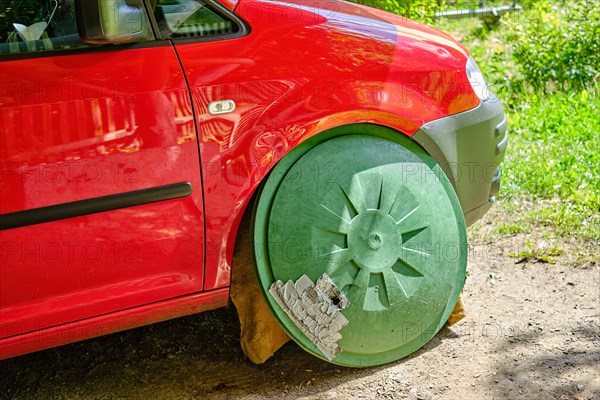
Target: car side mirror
112,21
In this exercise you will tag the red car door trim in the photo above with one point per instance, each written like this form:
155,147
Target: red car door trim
116,321
94,205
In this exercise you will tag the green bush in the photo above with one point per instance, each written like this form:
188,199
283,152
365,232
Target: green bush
420,10
558,45
24,12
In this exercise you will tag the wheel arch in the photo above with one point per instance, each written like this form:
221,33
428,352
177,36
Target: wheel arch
382,128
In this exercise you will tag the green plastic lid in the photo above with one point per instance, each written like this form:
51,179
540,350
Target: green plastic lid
381,219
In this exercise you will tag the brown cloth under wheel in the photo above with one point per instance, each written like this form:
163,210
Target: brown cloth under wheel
261,335
458,313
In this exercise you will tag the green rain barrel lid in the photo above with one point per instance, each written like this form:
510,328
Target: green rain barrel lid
381,220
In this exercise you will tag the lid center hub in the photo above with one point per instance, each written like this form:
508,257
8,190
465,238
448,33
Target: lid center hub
374,241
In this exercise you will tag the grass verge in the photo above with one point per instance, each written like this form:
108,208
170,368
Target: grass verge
551,173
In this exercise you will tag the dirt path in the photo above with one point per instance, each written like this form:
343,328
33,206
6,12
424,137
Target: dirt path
533,331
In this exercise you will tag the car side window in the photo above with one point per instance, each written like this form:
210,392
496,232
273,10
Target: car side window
38,25
191,18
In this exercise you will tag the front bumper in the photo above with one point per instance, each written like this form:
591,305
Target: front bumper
469,147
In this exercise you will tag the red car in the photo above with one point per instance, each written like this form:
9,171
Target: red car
136,134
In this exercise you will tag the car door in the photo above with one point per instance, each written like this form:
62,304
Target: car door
100,190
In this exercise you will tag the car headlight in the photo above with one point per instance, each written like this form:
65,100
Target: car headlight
477,81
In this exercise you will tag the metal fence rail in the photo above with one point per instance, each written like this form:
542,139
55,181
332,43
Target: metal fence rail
483,11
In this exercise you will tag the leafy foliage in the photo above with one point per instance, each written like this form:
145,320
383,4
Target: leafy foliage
24,12
421,10
558,46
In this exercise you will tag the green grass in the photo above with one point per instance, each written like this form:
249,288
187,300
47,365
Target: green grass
554,161
555,142
551,173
